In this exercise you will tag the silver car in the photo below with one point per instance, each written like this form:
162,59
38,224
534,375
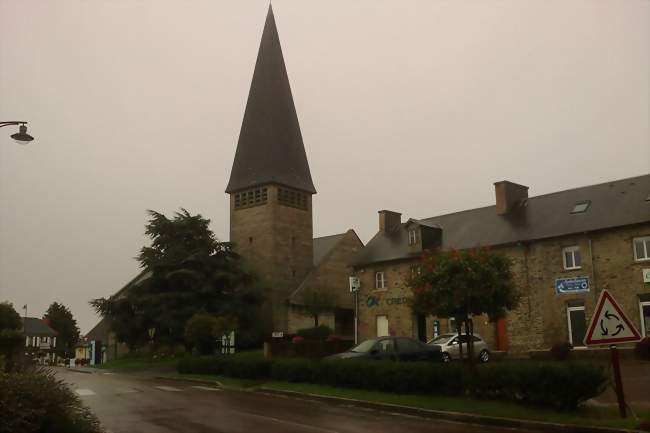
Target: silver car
449,345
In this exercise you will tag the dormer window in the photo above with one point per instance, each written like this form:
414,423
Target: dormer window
413,236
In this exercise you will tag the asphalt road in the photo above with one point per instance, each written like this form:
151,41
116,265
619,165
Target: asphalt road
129,404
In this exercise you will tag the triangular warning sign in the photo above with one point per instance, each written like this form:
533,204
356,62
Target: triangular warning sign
609,325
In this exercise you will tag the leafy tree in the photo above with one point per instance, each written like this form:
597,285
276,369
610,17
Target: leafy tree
189,271
462,284
11,336
61,320
200,333
317,302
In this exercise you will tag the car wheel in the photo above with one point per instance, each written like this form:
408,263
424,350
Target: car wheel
484,356
446,357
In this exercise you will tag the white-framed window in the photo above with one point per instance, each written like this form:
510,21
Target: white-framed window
577,324
380,280
644,309
641,248
571,257
413,237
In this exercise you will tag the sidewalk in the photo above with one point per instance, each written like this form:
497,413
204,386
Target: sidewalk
636,386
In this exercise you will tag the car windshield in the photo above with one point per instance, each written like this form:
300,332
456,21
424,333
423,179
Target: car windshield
364,347
442,339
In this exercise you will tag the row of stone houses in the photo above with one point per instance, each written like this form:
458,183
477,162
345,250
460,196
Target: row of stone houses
565,248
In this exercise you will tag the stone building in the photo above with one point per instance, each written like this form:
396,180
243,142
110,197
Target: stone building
271,191
40,339
565,248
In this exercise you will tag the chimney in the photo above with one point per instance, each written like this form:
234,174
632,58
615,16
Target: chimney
509,195
389,220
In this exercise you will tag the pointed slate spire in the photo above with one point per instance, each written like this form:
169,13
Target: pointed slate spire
270,147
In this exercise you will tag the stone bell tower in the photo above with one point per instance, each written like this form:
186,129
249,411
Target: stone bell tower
270,183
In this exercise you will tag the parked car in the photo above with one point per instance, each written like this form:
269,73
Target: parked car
449,345
392,348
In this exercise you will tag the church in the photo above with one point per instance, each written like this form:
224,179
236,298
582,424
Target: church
271,222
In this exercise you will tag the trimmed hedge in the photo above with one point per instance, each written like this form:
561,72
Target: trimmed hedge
559,385
37,402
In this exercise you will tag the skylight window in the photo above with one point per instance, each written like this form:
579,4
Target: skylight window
581,207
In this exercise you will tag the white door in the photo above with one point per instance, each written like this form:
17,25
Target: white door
382,326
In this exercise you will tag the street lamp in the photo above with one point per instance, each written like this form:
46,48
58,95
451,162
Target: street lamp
21,137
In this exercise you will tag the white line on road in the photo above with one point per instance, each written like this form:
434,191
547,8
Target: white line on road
84,392
168,388
206,388
282,421
126,390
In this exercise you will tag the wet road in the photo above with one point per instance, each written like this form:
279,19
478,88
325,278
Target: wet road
128,404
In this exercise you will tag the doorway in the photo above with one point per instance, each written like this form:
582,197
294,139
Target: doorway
577,325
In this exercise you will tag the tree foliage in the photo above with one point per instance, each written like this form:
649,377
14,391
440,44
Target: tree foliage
61,320
462,284
189,271
11,336
9,318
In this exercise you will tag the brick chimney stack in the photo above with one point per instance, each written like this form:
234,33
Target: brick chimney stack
389,220
509,195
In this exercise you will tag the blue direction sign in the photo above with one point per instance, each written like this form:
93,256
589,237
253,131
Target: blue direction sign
572,285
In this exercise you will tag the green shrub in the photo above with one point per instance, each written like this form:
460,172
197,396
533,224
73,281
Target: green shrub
11,343
200,333
561,351
36,402
562,386
320,333
242,366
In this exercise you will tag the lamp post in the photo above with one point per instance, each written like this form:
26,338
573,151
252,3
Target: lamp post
21,137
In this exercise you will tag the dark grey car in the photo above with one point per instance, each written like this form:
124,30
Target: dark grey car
393,349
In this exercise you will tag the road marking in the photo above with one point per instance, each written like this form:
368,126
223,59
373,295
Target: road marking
206,388
126,390
107,373
168,388
84,392
282,421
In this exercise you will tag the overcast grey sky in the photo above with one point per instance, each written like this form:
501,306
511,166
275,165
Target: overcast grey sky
413,106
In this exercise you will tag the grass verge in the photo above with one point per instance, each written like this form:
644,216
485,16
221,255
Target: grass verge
136,363
584,416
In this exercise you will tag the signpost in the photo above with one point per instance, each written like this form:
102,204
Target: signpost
609,326
355,285
572,285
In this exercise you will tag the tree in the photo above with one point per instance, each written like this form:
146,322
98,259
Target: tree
200,333
317,302
189,271
9,318
462,284
11,336
61,320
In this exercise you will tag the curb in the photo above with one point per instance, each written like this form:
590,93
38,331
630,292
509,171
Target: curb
190,380
452,416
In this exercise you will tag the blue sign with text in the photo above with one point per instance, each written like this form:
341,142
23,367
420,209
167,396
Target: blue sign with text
572,285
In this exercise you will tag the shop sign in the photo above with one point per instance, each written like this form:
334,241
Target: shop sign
572,285
375,301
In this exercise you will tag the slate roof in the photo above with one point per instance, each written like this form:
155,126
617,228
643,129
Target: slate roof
100,331
33,326
270,147
324,245
612,204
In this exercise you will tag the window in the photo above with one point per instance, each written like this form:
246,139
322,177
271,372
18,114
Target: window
642,248
581,207
644,307
571,256
577,324
292,198
452,325
253,197
413,237
382,326
380,280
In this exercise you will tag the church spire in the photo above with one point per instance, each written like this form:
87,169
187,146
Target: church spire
270,147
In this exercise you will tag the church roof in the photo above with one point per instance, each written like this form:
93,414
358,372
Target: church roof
270,147
323,245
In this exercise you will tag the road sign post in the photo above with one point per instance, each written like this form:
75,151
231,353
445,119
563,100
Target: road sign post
618,381
609,326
